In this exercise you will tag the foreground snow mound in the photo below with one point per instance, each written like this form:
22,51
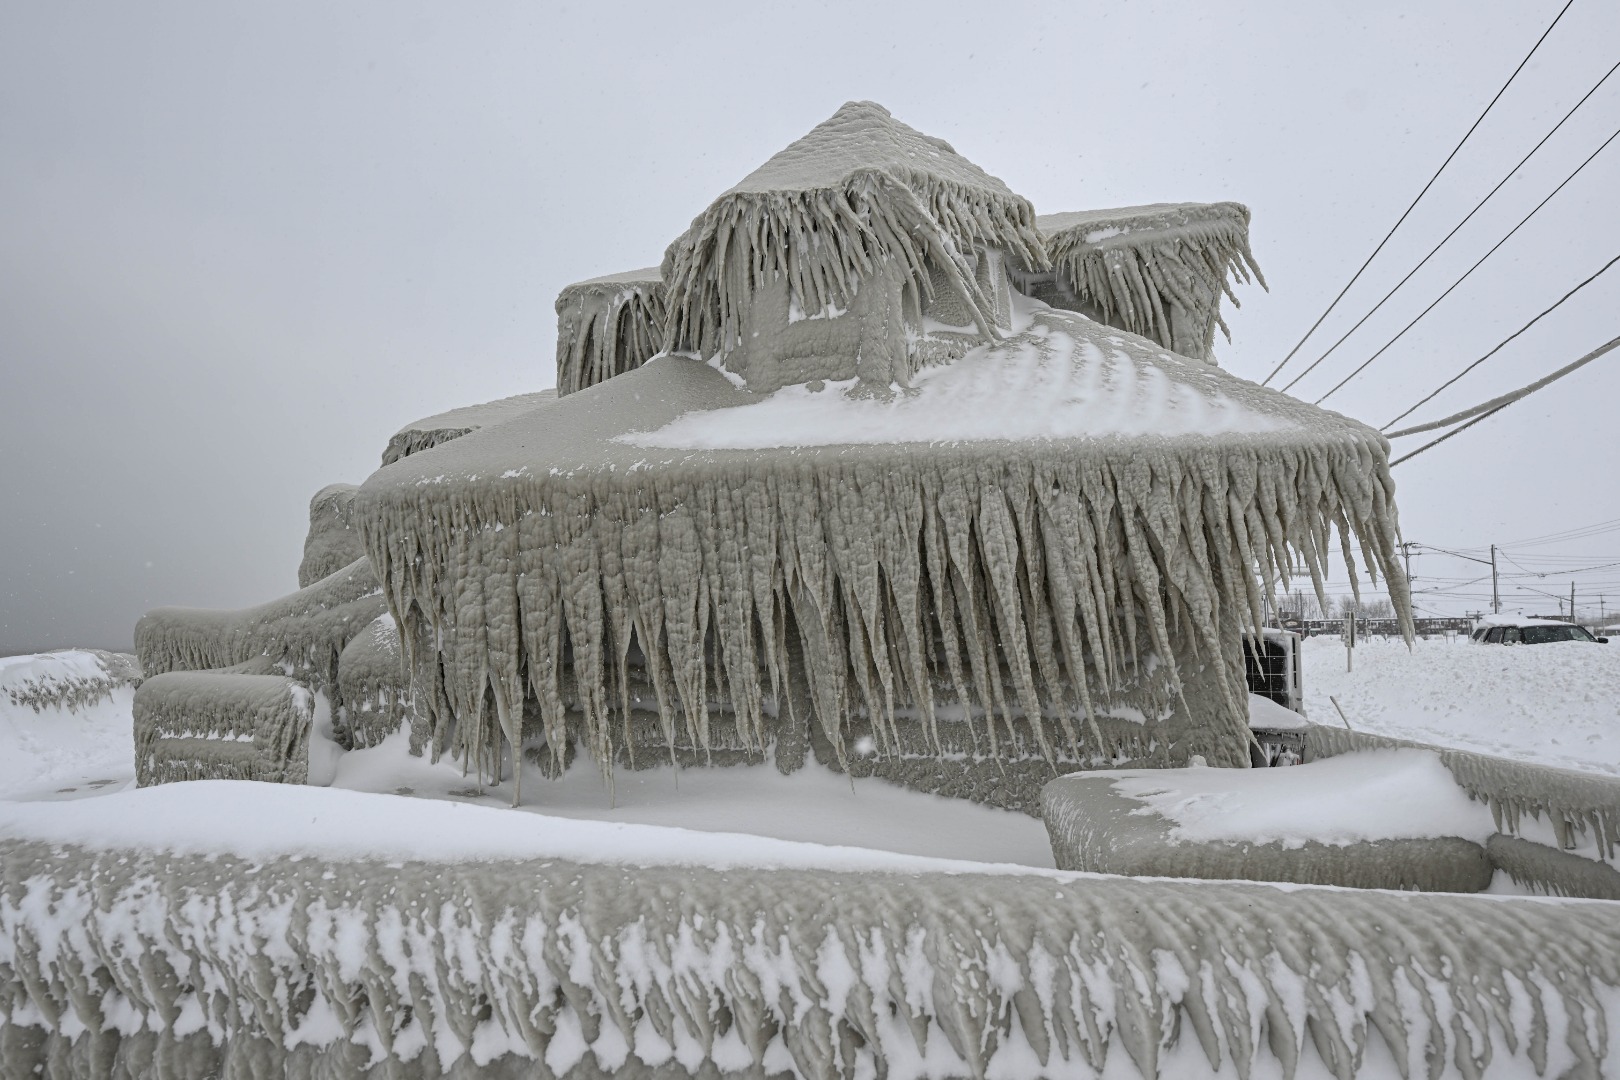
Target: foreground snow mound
123,956
1557,704
65,720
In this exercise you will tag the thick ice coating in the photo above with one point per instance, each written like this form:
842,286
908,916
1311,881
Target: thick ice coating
861,225
439,428
607,326
1058,578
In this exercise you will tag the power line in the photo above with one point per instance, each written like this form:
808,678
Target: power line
1447,435
1457,227
1425,191
1503,342
1452,287
1498,403
1580,533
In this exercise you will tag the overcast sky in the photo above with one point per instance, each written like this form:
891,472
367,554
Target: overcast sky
240,245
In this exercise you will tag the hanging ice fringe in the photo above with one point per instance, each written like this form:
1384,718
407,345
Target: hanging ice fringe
607,326
1159,271
1065,579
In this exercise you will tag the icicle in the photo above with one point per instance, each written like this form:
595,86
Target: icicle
822,217
1002,580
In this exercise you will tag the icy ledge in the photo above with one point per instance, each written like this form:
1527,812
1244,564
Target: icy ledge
135,958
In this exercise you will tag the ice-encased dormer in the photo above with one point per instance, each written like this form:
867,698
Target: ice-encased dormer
863,250
1158,270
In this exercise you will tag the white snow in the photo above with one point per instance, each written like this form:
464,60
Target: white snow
1556,704
260,821
812,805
54,751
1551,703
1042,384
1352,798
1267,714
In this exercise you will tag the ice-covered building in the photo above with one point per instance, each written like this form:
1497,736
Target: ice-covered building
872,493
878,468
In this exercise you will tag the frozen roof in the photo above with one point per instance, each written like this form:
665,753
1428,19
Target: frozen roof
430,431
1126,225
862,136
649,275
1137,262
608,325
859,190
1520,619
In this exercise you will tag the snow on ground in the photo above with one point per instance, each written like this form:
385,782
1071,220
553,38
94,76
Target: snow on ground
261,821
58,755
49,747
1376,795
813,804
1556,704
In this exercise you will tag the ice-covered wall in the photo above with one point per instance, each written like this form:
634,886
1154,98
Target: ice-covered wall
122,963
69,679
1159,270
1573,816
374,689
301,634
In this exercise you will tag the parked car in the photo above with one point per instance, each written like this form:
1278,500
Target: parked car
1526,630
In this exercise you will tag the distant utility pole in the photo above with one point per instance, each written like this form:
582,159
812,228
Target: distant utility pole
1571,601
1406,554
1496,597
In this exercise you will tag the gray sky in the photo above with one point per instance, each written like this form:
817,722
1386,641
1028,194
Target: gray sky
242,244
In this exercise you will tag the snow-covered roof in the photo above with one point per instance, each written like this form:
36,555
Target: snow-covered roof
430,431
1519,620
861,137
647,275
1129,225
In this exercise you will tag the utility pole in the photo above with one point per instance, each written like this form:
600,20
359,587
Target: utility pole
1496,598
1406,554
1571,601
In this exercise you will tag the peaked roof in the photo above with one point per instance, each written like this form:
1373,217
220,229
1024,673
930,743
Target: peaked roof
859,190
862,136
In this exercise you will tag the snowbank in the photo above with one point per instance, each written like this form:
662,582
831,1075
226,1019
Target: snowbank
257,822
1556,704
65,722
